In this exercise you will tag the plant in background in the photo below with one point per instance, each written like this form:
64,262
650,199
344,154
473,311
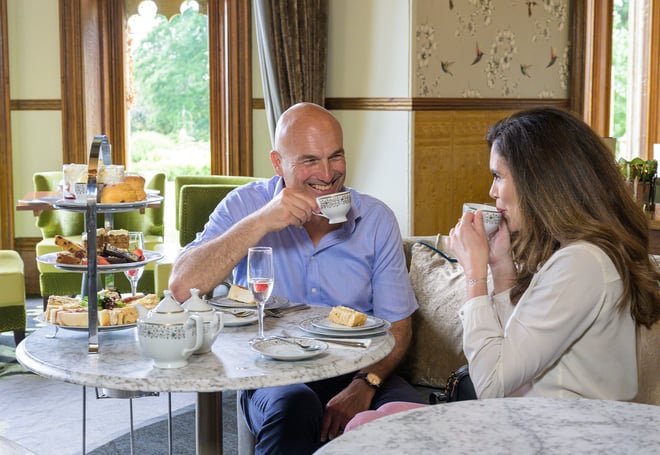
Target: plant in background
641,176
638,169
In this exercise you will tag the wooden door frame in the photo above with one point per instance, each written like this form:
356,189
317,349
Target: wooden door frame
6,165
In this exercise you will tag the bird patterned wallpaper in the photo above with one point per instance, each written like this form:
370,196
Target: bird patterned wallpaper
491,48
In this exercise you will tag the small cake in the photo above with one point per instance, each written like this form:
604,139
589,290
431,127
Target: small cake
64,257
100,239
347,316
117,238
240,294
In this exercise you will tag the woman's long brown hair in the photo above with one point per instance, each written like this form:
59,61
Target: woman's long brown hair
570,189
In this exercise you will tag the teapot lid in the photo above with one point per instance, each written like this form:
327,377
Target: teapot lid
168,311
195,303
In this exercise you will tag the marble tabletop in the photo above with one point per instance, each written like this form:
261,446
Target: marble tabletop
231,365
509,425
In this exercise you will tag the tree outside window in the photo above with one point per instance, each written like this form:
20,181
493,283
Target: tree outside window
168,91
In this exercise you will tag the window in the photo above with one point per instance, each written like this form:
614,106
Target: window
630,67
167,88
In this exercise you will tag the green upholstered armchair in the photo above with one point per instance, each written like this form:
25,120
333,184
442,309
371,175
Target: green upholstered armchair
197,196
12,297
53,281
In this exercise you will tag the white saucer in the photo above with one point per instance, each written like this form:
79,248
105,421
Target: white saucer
308,327
282,350
233,321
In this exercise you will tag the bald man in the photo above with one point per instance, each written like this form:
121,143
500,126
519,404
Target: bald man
359,263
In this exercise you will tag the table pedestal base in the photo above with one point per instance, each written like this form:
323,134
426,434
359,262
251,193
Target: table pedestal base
209,423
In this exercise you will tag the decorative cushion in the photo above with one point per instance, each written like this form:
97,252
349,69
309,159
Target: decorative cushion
437,347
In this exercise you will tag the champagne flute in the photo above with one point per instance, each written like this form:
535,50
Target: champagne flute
260,276
135,241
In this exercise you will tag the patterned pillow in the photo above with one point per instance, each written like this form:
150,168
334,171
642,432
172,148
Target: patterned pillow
437,347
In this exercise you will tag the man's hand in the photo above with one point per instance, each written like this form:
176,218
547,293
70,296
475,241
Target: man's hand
290,207
343,407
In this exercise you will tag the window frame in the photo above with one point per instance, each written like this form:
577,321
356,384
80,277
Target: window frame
93,41
591,76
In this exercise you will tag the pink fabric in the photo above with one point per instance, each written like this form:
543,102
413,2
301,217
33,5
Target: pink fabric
387,409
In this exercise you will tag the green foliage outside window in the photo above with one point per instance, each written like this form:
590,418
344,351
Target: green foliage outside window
170,117
619,69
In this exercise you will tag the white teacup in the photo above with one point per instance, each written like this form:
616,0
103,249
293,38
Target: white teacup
335,206
81,191
491,215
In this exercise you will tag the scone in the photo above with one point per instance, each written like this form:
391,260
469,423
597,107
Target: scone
347,316
136,182
240,294
118,193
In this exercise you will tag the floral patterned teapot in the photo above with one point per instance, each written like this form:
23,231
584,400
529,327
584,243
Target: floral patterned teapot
169,334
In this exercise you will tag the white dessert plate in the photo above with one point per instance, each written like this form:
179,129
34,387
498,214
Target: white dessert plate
51,259
372,322
152,192
230,320
308,327
101,328
284,350
275,301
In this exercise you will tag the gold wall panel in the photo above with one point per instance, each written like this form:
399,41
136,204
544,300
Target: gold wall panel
450,166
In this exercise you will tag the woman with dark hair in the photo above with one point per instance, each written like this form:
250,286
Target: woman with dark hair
571,272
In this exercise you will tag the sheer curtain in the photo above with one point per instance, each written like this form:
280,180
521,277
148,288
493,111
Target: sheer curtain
292,37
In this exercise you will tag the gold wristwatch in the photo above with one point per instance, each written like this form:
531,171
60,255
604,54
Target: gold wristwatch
370,378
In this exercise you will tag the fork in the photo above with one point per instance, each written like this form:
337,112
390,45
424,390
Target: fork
239,313
301,344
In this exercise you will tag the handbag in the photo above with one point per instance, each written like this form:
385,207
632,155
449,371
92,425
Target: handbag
459,387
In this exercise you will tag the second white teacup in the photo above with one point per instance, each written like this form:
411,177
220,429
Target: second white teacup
492,217
335,206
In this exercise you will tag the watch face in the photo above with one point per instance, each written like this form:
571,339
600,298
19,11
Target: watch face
373,379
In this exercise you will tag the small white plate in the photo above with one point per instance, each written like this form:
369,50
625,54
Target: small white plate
308,327
282,350
325,323
275,301
234,321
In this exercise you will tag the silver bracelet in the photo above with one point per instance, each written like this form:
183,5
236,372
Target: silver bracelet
473,281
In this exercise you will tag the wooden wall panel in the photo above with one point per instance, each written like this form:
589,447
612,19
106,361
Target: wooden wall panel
450,166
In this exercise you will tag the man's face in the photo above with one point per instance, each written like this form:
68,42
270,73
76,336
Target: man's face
314,163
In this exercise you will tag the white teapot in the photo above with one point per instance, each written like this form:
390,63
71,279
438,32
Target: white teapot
168,333
212,320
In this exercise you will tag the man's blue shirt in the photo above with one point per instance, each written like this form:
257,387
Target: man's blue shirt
360,265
